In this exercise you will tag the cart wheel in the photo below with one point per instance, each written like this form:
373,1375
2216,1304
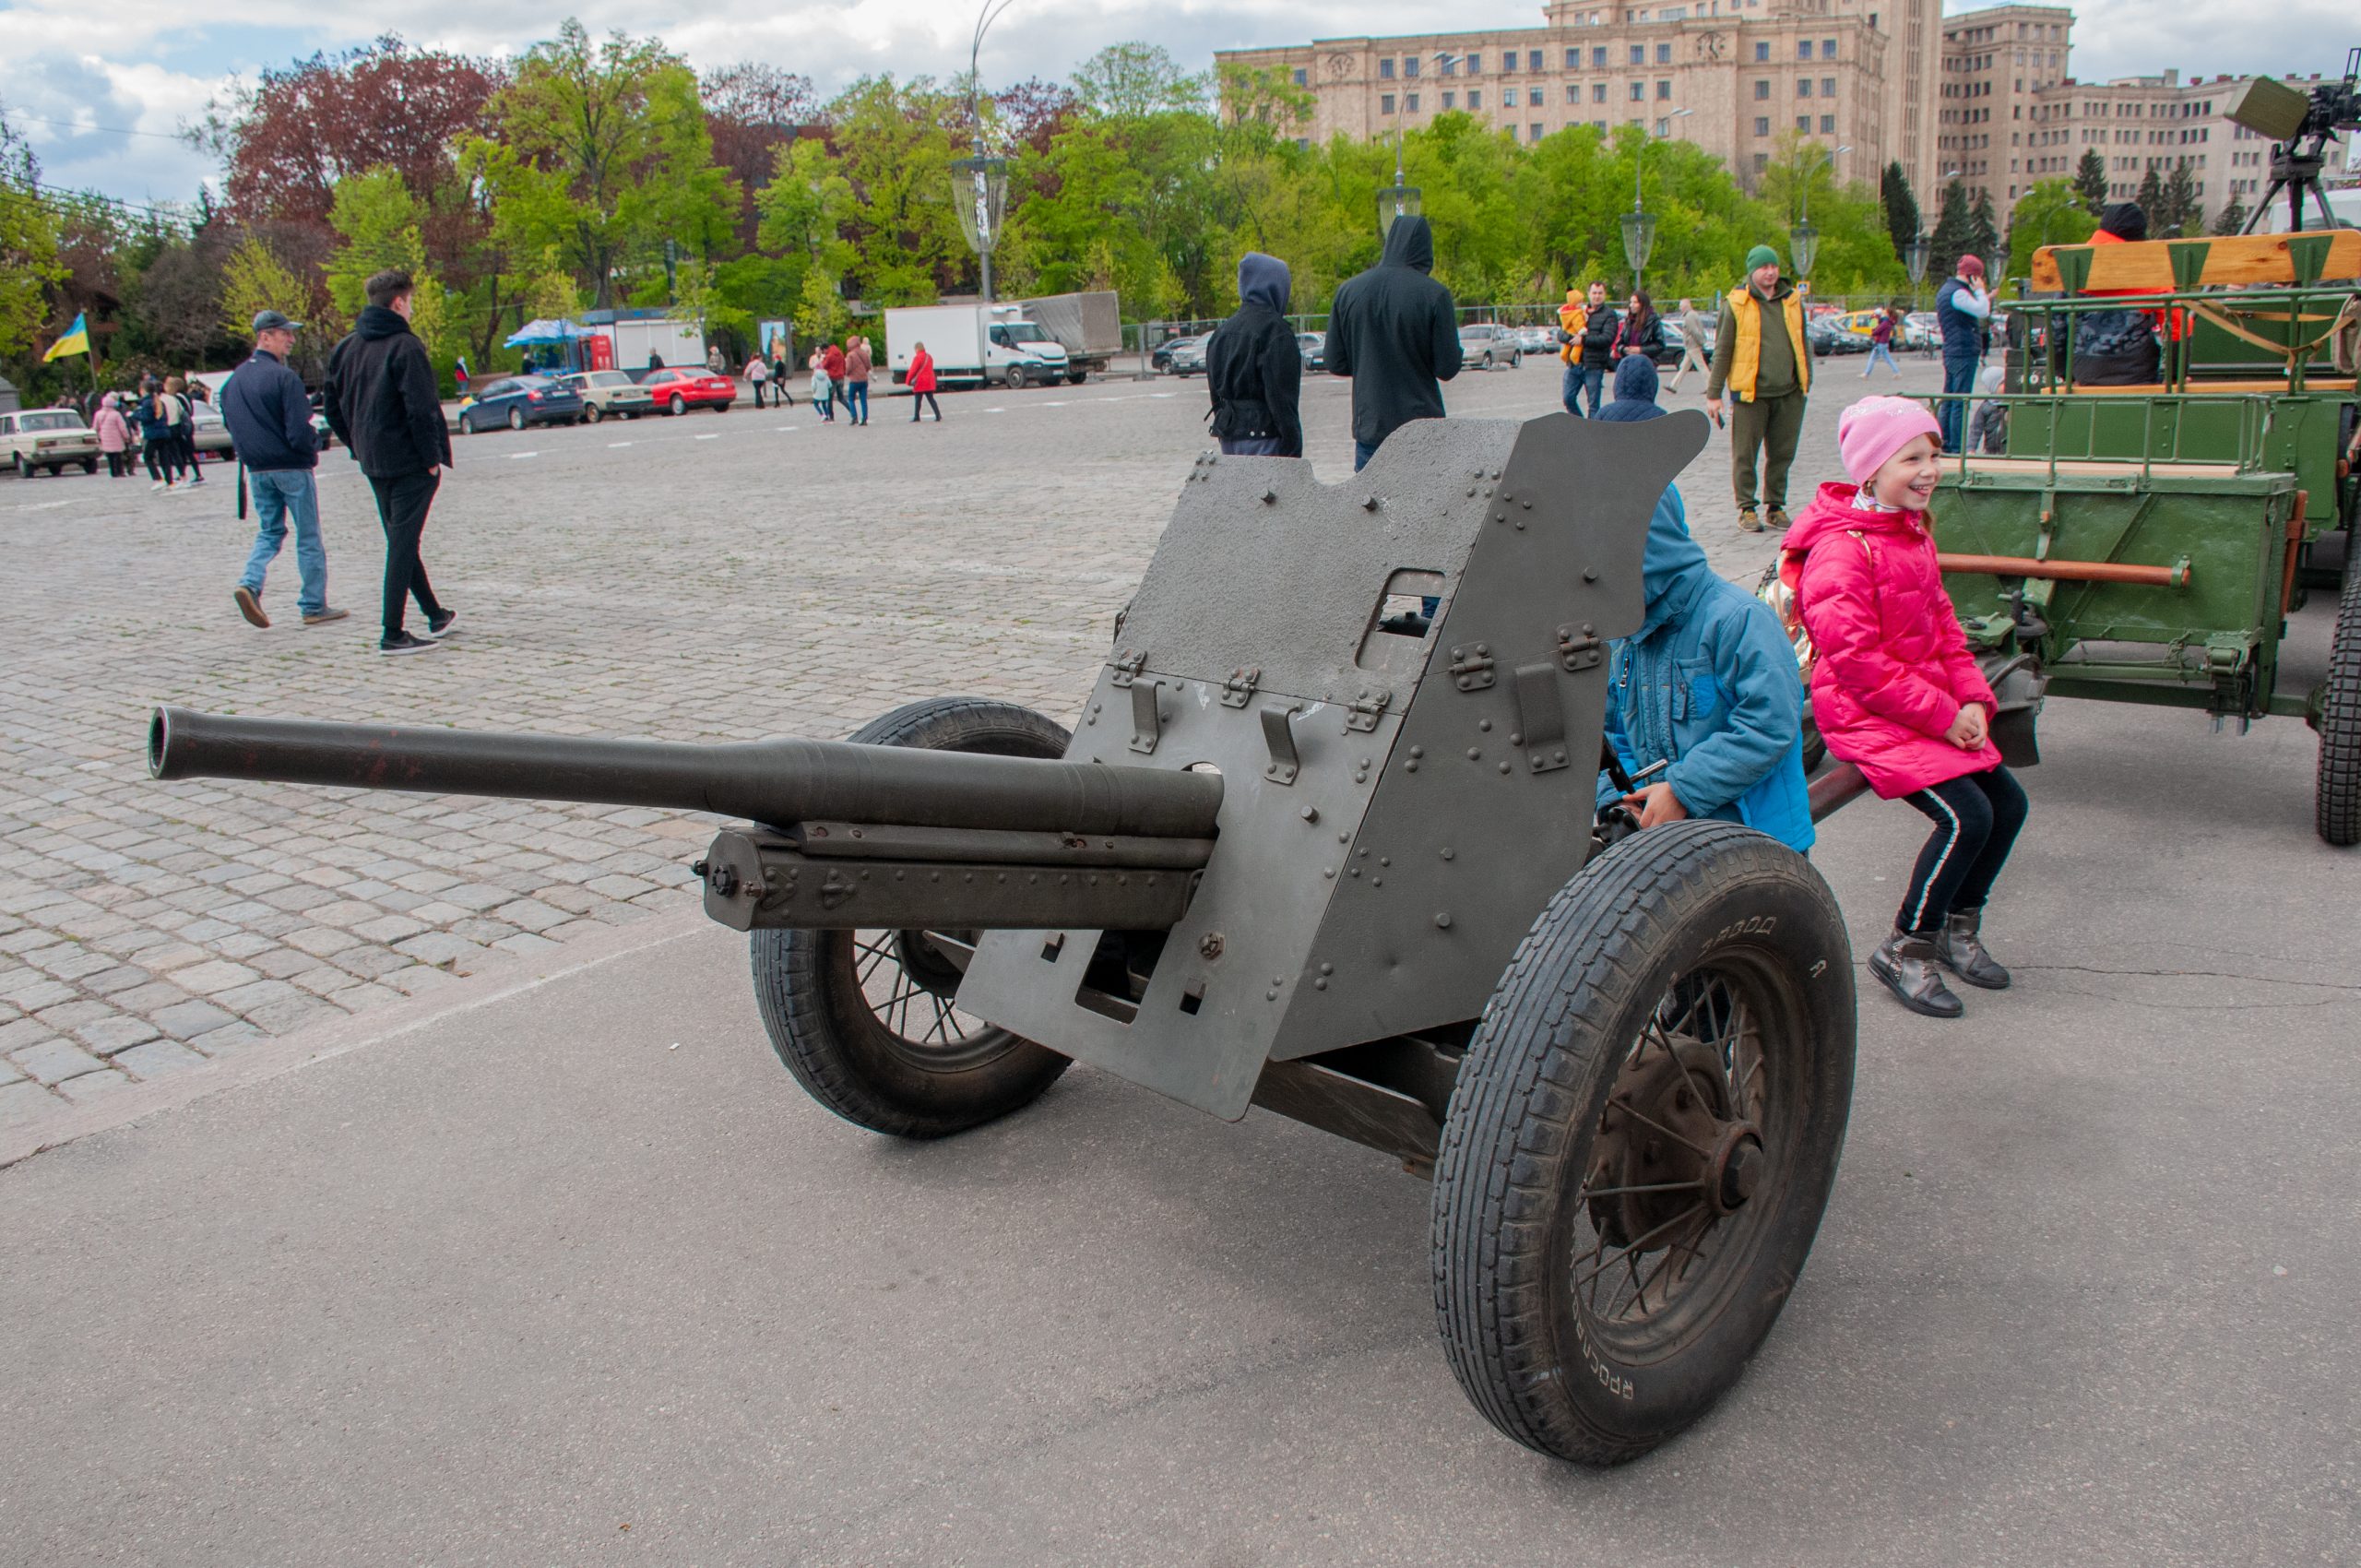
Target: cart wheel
2336,803
1642,1139
866,1020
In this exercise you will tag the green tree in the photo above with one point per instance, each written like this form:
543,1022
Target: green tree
1901,207
1954,236
2090,180
2184,214
2051,213
1133,81
254,280
899,235
2151,199
601,150
29,261
380,223
2232,218
551,293
1984,229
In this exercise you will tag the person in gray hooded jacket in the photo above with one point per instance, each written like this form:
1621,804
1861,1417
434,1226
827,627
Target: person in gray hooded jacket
1254,368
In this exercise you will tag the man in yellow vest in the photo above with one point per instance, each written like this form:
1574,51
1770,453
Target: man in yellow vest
1761,355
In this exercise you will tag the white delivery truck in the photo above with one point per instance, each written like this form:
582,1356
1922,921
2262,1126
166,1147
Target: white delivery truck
634,342
1089,325
975,345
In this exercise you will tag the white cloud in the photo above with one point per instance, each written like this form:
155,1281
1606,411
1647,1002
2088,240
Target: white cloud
158,60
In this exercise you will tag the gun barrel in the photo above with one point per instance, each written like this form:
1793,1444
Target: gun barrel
777,782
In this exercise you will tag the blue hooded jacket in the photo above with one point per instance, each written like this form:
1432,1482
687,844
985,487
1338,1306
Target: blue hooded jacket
1636,392
1709,682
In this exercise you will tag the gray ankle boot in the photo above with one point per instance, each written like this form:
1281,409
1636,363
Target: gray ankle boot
1964,954
1912,967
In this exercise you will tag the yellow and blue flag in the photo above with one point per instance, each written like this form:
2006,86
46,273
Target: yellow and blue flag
76,341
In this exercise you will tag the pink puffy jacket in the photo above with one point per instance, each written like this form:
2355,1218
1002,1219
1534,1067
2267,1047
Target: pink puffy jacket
1894,669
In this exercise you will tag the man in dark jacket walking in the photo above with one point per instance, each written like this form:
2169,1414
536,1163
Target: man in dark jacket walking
270,425
1596,350
1254,369
383,404
1395,331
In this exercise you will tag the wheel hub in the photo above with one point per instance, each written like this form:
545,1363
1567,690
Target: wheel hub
1658,1142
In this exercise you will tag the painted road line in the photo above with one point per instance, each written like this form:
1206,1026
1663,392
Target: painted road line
715,436
612,444
515,455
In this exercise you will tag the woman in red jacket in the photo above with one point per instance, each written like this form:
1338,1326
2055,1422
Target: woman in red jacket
922,383
1897,693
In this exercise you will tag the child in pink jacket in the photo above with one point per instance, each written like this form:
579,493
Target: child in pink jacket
1897,694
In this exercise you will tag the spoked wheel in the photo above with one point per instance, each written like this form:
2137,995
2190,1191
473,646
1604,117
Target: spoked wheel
867,1020
1641,1140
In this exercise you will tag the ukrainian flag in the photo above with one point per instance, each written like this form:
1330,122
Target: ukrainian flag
76,341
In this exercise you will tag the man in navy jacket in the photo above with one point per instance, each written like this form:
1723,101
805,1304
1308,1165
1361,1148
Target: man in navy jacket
270,423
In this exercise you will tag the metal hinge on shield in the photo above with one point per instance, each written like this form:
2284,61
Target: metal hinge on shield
1366,709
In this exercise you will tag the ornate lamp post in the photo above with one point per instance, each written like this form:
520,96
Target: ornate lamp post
980,184
1914,258
1803,240
1640,224
1399,200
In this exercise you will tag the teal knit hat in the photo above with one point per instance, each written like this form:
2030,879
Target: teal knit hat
1761,255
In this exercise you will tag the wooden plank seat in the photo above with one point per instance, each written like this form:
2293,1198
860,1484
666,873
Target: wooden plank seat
2088,468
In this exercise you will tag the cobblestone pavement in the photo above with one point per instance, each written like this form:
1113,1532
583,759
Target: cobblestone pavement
706,578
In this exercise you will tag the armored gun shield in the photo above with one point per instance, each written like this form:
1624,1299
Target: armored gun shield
1401,680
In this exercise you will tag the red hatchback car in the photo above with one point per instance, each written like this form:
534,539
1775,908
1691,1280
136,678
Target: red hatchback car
678,391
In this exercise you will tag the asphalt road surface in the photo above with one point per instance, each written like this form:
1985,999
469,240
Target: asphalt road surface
556,1265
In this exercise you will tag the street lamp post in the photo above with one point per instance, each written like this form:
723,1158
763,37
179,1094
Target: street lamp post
1803,240
980,184
1640,224
1401,200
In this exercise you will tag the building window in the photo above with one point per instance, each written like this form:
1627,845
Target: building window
1414,103
1450,100
1828,47
1533,132
1639,92
1600,125
1573,59
1386,104
1598,95
1664,91
1474,64
1508,62
1761,161
1409,64
1385,68
1303,76
1828,125
1450,67
1763,125
1761,89
1803,48
1803,87
1803,124
1639,54
1762,54
1475,98
1598,58
1663,54
1533,61
1828,87
1573,92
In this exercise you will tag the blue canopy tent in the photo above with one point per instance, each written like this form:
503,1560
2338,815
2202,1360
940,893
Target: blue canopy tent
553,345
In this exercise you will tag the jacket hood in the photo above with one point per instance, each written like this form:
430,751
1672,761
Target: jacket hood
1636,392
1674,568
379,321
1837,510
1410,243
1263,280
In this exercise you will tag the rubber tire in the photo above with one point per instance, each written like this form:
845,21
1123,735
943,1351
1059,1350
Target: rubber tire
515,419
90,465
1530,1094
2336,799
853,1072
677,407
1487,361
56,470
1016,378
1076,377
593,413
24,469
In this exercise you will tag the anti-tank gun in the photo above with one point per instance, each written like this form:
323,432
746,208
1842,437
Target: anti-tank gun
1314,847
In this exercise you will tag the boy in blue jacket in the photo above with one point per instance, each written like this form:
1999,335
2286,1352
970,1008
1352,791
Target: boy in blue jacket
1707,686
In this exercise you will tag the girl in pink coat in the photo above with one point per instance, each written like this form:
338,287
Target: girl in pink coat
1897,694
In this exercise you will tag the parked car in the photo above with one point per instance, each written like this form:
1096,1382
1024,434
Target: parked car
677,391
605,392
1160,358
1920,331
520,400
208,428
1536,339
1315,349
1485,346
1827,338
47,438
1189,355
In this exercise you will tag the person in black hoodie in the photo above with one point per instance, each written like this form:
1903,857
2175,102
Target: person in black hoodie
383,404
1395,331
1254,369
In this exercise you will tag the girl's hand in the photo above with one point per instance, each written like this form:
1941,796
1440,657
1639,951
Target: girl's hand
1969,729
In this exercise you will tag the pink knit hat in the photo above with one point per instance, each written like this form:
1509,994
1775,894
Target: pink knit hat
1871,432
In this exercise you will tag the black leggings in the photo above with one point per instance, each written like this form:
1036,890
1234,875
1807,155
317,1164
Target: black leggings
402,503
928,397
1977,822
163,457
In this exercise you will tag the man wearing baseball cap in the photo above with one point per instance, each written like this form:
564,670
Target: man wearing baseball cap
270,423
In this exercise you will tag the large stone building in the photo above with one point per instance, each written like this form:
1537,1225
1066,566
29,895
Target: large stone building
1728,75
1995,63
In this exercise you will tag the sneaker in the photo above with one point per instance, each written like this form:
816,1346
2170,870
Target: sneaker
162,484
1780,521
1749,520
439,624
250,606
324,616
402,642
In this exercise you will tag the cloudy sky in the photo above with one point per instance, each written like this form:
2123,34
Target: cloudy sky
76,77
